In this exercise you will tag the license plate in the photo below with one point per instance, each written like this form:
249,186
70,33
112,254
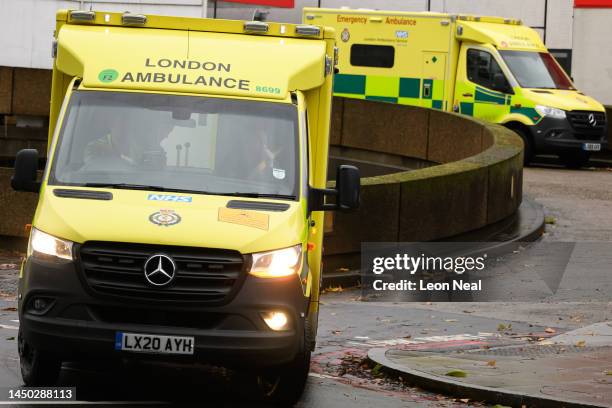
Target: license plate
153,343
591,147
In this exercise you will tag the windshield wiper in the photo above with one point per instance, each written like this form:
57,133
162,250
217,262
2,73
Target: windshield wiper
264,195
126,186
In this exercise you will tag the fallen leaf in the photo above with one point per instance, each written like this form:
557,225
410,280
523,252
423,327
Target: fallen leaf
6,266
10,338
550,220
580,343
336,331
491,363
408,336
550,330
10,309
376,370
468,311
457,373
609,372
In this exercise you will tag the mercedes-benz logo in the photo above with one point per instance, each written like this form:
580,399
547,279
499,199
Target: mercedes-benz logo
592,120
159,270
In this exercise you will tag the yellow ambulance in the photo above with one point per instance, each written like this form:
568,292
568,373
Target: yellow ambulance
491,68
181,208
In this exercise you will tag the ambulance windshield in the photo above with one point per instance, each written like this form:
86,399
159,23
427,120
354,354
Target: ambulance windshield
536,70
178,143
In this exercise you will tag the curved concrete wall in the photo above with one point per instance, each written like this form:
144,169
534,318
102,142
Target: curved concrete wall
478,181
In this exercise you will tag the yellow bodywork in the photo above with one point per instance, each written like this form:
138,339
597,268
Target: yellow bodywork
429,62
188,56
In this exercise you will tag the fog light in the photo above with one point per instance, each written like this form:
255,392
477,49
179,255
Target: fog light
40,305
275,320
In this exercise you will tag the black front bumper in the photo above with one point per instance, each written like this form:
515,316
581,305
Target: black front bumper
79,324
559,136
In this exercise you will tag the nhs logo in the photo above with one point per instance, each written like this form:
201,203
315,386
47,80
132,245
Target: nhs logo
168,197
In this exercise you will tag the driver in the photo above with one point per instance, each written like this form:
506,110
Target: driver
112,149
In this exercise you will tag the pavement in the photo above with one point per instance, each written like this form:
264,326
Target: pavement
573,369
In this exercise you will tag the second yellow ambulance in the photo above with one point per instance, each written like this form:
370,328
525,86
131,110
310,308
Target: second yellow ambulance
491,68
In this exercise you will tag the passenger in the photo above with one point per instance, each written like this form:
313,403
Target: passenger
267,155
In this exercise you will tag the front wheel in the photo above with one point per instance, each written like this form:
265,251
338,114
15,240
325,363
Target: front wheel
528,151
38,368
280,386
575,159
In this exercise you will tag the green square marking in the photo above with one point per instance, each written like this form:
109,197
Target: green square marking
349,84
410,88
467,108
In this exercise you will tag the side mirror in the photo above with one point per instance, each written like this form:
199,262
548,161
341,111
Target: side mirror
26,168
346,193
348,185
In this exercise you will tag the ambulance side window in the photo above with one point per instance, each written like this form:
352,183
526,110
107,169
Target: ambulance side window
483,69
376,56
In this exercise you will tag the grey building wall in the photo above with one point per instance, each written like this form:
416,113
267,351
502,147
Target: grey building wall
593,53
26,26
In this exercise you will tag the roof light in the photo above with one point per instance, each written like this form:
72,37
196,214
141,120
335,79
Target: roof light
309,30
82,15
133,19
256,27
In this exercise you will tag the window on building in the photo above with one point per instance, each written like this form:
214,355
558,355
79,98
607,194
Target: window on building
483,69
378,56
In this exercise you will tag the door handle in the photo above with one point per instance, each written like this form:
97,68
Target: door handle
468,95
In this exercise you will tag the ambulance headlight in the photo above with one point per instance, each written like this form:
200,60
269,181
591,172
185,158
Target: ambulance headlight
277,264
48,247
550,112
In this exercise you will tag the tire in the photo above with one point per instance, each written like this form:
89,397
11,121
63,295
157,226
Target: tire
283,386
528,151
575,159
38,368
